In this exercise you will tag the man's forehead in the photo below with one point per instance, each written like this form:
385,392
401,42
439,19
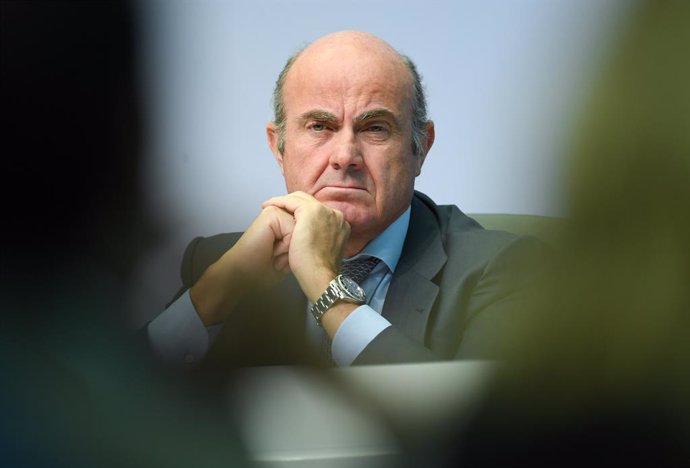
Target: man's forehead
348,71
339,87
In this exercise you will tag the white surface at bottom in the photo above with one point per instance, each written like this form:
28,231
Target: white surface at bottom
295,417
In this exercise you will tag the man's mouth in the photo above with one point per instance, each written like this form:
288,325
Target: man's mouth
342,187
340,191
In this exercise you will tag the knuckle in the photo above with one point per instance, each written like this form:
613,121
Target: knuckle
271,211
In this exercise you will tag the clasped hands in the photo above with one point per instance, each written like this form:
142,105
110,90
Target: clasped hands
294,232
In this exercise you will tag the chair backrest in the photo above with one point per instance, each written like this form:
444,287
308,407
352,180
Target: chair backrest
547,228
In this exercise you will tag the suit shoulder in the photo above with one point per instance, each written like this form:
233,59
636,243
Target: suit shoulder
463,238
454,223
464,235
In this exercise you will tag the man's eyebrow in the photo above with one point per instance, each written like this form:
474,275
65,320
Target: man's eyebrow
318,115
378,113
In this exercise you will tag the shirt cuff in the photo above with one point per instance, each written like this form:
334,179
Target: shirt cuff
355,333
177,336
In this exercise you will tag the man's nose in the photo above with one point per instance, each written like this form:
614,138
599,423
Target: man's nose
346,152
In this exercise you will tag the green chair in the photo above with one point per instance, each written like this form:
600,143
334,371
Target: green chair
547,228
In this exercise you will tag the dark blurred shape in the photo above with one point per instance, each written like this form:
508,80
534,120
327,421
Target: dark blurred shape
76,391
72,133
605,377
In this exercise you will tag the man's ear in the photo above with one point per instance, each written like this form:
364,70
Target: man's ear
272,134
430,136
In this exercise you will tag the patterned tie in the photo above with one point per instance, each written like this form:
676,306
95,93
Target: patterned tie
359,269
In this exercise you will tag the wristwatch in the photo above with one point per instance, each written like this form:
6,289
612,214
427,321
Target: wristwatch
341,288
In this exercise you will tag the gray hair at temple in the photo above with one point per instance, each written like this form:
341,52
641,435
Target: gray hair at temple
419,117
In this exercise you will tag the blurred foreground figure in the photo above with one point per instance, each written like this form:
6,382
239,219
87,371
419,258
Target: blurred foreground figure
75,392
605,380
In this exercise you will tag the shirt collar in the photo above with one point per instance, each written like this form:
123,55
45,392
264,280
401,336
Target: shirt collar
388,245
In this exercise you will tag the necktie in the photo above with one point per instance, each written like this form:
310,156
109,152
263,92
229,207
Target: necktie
359,269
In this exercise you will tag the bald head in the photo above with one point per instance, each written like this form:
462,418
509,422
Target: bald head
343,53
352,36
359,44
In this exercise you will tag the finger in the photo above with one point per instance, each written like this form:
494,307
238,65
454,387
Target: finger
290,202
280,222
282,246
298,194
281,263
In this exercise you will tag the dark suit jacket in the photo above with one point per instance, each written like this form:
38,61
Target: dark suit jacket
456,290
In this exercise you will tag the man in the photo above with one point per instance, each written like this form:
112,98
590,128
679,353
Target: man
350,136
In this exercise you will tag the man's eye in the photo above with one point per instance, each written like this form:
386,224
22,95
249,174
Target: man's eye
318,127
376,130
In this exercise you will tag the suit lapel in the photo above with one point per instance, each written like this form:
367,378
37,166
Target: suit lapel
412,292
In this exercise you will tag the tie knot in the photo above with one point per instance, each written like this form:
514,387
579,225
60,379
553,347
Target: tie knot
359,269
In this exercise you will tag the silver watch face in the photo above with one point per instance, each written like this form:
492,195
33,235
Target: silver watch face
352,288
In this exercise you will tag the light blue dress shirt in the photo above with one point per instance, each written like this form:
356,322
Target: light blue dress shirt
179,337
366,322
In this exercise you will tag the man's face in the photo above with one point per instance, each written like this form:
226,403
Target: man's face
348,135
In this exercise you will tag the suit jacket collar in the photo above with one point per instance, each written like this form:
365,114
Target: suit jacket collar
412,291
